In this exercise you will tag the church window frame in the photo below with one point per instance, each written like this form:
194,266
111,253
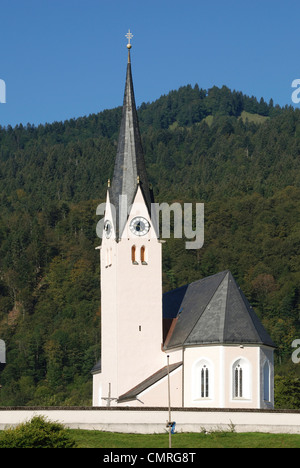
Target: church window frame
241,380
238,381
143,253
202,380
133,255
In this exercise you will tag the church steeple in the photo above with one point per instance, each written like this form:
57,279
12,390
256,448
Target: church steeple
131,273
130,169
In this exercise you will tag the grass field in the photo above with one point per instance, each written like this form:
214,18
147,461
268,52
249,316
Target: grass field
97,439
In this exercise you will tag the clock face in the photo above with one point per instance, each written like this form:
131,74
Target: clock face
139,226
107,229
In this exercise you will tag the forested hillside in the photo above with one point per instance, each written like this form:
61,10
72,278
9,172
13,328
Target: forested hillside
238,155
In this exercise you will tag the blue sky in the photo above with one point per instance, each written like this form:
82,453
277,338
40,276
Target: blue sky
67,58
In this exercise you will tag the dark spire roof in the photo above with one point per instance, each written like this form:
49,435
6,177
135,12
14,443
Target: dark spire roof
130,168
212,310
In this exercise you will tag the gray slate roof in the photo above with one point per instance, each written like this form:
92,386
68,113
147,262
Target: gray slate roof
129,163
134,392
212,310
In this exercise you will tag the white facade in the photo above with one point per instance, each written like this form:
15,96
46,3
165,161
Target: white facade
131,308
215,377
226,377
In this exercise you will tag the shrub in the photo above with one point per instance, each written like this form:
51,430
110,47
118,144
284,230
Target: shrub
37,433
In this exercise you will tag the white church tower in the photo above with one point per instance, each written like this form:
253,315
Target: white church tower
131,275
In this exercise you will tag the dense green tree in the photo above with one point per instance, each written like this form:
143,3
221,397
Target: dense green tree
236,154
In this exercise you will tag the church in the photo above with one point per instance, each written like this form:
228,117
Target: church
203,339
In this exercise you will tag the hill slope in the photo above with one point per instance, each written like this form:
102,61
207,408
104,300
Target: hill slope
238,155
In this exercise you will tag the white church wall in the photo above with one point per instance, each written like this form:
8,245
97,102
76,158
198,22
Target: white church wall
194,359
175,355
247,357
97,390
140,315
149,420
219,363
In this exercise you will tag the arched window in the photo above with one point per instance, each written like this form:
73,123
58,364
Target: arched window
202,380
266,373
133,255
241,379
238,382
143,255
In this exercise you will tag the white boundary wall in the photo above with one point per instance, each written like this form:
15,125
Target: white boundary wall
153,420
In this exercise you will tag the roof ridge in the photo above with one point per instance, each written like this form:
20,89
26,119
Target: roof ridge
226,302
210,300
246,304
253,317
257,328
